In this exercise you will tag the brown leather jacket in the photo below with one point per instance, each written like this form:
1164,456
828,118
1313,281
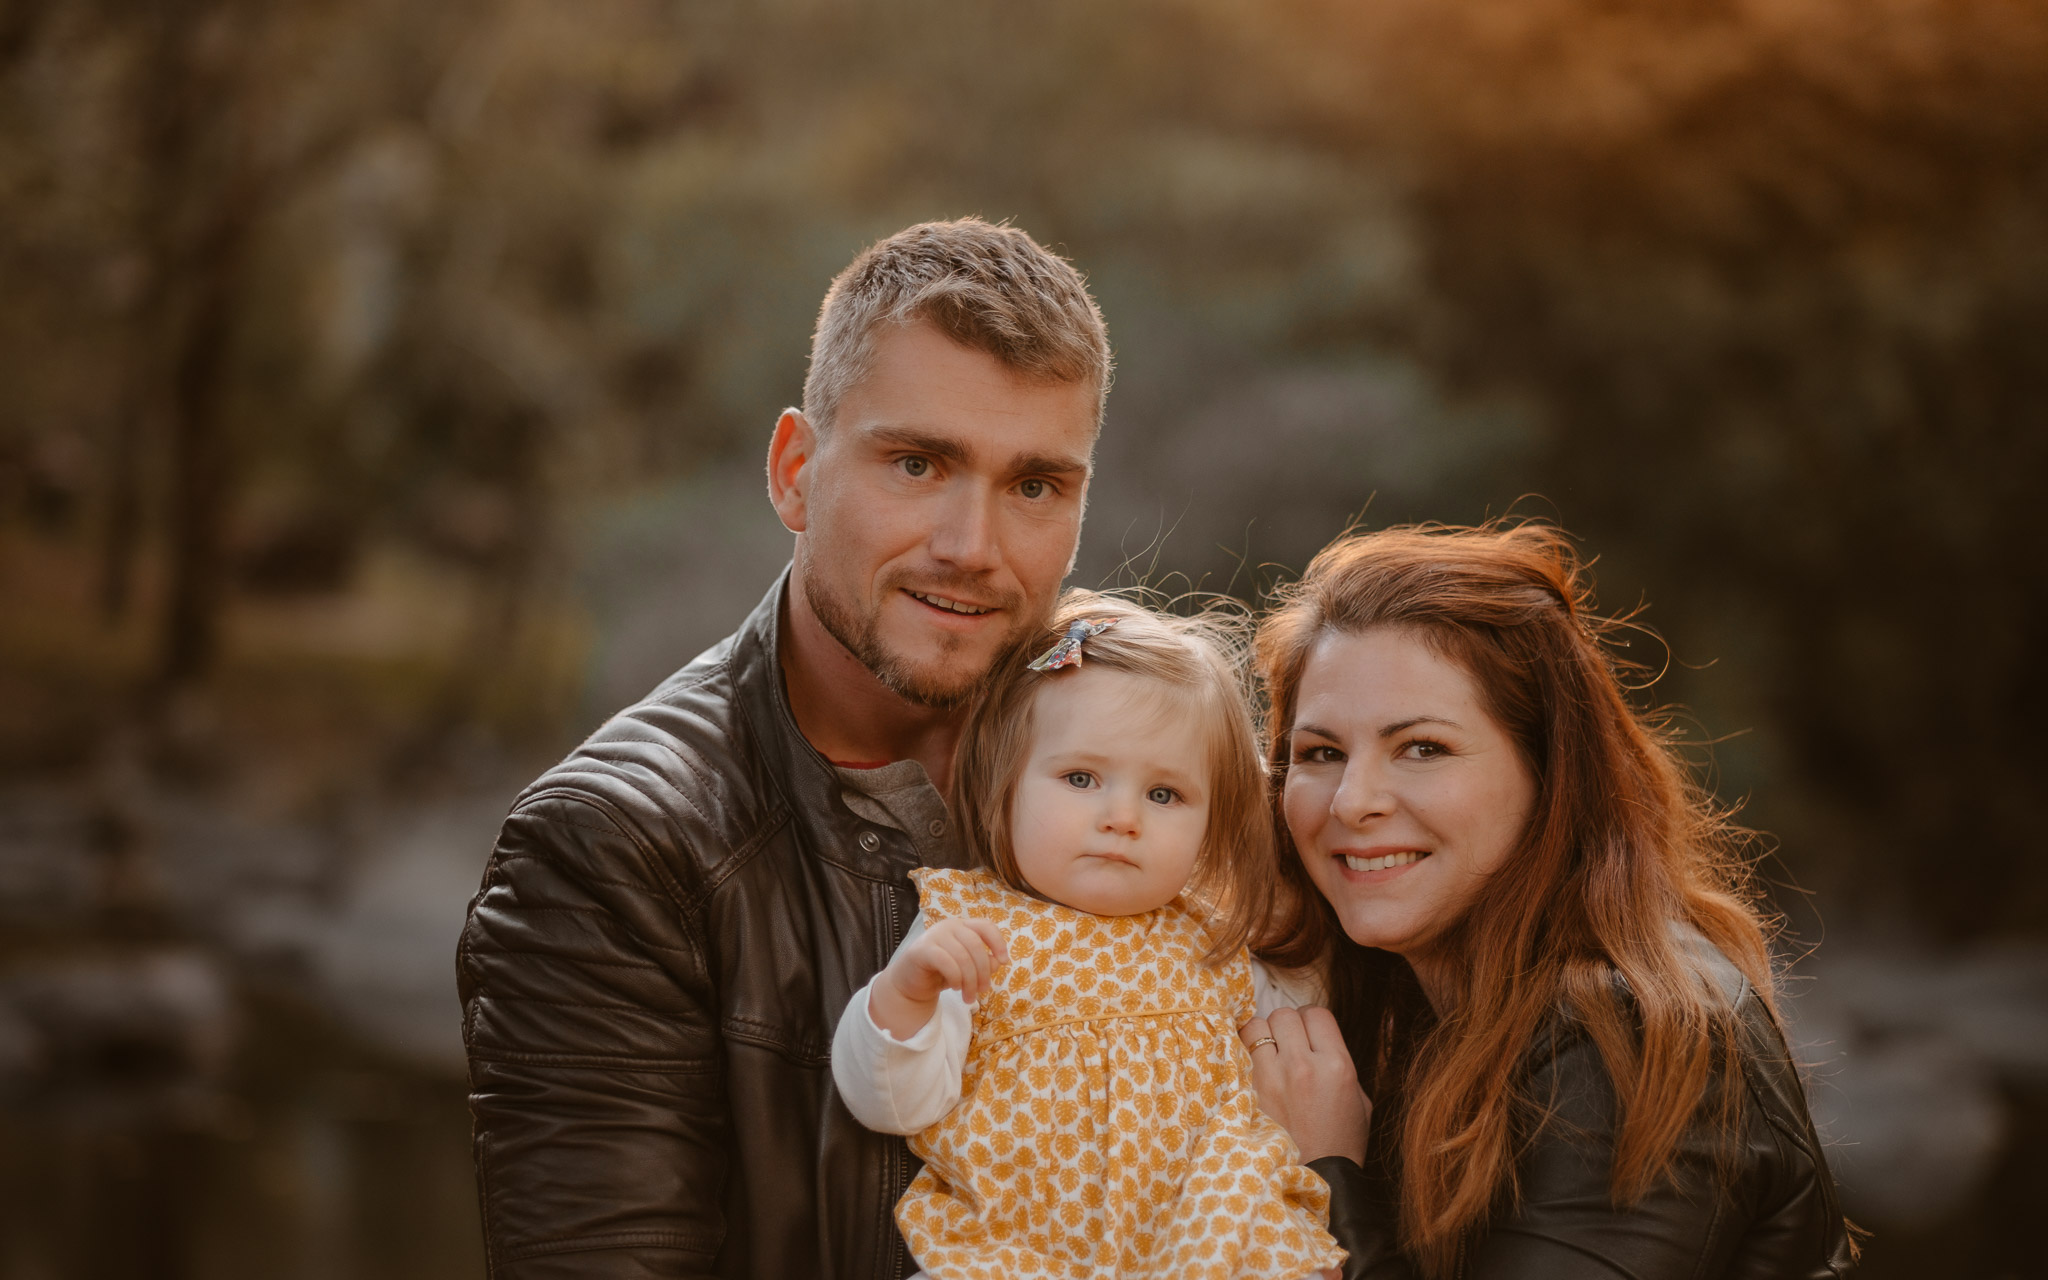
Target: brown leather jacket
1768,1213
670,925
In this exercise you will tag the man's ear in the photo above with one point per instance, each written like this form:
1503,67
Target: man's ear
790,452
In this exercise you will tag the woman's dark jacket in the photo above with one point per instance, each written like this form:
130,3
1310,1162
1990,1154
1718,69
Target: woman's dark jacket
672,921
1774,1219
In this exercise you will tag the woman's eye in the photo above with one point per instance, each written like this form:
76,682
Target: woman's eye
1424,750
1034,489
1081,781
917,468
1162,795
1319,755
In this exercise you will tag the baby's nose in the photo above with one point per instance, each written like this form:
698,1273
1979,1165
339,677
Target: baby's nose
1120,815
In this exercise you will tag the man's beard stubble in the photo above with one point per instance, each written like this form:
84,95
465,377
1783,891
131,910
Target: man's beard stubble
861,637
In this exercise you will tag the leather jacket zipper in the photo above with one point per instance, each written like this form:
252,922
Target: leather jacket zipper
900,1174
899,1154
894,914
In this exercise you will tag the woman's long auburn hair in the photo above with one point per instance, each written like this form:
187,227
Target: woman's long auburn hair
1621,845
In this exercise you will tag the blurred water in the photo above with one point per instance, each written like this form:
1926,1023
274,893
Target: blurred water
1920,1060
240,1056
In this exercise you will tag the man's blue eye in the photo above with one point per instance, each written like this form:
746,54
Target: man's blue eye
1032,488
916,466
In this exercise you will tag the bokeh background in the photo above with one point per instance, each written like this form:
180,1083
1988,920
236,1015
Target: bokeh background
383,388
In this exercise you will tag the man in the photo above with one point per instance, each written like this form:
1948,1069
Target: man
675,916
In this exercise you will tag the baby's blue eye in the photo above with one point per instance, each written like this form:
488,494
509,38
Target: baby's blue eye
1081,780
1162,795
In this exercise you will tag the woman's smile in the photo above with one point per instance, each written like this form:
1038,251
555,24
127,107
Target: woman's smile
1376,865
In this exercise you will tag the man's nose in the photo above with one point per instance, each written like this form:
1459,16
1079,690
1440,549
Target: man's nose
967,536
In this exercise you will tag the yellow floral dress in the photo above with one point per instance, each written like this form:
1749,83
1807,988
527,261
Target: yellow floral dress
1106,1124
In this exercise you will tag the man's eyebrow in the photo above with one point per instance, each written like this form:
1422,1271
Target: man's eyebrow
1047,464
1023,464
921,441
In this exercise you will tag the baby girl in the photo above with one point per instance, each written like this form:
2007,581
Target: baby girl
1058,1031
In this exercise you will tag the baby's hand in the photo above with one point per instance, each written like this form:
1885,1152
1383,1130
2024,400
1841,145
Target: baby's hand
954,954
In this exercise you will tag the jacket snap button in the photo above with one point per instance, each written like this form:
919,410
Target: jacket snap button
938,828
870,841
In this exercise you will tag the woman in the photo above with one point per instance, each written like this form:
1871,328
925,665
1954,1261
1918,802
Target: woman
1536,935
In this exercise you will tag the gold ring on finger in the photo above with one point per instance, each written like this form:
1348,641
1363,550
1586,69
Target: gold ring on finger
1264,1040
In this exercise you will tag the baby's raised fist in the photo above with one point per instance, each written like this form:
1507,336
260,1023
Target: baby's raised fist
957,953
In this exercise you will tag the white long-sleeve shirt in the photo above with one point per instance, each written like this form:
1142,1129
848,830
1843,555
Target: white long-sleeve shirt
902,1086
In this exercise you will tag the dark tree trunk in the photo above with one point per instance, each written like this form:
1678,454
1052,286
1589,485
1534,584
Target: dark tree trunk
121,534
200,210
202,469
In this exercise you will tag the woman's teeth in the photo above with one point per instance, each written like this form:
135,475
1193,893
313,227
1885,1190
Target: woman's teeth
1382,863
943,603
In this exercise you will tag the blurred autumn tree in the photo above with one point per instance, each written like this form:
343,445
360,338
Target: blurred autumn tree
307,300
292,282
1775,275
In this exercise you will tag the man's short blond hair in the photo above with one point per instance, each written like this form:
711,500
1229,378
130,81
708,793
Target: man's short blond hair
989,288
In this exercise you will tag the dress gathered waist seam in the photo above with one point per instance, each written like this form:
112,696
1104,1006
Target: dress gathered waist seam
988,1037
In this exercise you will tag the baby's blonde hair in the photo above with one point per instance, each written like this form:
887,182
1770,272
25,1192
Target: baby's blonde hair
1201,655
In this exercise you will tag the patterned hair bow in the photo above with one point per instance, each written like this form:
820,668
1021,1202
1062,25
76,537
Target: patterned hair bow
1067,653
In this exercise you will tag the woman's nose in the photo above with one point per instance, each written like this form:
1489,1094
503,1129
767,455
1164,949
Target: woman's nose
1362,795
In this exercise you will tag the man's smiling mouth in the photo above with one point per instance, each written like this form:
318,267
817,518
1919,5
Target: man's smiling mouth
951,606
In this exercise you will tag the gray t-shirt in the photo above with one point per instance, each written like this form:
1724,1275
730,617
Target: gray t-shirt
900,795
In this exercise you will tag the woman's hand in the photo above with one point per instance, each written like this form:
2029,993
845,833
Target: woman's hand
954,954
1304,1078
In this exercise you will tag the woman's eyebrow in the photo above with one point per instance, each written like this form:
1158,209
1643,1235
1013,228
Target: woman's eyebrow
1389,730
